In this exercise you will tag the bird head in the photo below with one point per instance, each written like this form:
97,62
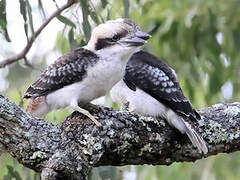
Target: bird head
120,36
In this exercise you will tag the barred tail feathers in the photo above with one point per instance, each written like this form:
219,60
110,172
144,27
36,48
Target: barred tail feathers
185,128
195,138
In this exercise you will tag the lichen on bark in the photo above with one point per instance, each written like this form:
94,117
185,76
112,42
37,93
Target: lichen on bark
71,149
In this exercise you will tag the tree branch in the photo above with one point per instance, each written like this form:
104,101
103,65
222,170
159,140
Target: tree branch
24,52
69,150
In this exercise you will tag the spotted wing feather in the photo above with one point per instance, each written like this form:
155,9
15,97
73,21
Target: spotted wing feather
66,70
156,78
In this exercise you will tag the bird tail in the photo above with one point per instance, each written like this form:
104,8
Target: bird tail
195,138
38,106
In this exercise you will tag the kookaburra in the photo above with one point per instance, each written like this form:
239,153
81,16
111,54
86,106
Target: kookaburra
86,73
150,87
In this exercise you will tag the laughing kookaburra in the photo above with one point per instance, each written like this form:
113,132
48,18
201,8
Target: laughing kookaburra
86,73
150,87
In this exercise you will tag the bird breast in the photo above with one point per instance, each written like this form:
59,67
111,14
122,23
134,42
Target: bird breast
139,101
107,73
99,80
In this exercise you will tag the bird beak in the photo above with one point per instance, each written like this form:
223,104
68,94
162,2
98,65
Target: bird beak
143,35
139,39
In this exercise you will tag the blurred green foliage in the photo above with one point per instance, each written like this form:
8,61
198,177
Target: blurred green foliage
200,39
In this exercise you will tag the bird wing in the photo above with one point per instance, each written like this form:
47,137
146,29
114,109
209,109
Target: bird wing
157,79
66,70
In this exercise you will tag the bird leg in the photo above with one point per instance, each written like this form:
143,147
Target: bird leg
86,113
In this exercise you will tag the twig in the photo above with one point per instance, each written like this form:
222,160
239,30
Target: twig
27,63
24,52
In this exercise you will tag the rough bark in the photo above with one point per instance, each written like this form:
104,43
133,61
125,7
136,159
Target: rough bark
69,150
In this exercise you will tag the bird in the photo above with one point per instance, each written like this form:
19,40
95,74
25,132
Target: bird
150,87
87,72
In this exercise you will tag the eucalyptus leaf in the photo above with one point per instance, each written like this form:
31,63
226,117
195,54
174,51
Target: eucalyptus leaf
92,12
126,5
94,16
37,176
104,3
66,21
3,20
23,11
29,10
85,24
62,43
71,35
40,6
12,174
72,42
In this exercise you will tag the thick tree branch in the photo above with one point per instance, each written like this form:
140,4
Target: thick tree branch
24,52
69,150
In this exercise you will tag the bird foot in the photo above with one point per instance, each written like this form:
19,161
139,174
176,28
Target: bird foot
94,119
86,113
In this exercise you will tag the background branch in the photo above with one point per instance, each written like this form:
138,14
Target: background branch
24,52
70,149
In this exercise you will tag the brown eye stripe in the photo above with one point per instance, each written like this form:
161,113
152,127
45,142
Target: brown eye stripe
103,43
106,42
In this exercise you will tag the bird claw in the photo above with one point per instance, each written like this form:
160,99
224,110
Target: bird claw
94,119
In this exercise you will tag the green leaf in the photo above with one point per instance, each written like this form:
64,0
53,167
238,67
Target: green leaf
73,43
104,3
37,176
62,43
85,24
92,12
66,21
126,5
71,36
3,20
12,174
24,15
94,16
236,39
29,10
108,14
216,80
40,6
23,9
82,43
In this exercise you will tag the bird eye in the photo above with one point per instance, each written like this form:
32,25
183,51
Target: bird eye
116,38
